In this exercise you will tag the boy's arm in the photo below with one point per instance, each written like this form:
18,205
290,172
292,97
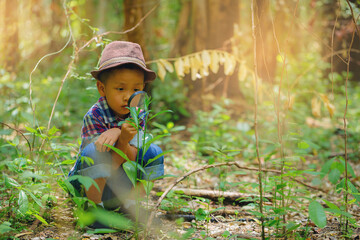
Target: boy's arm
127,133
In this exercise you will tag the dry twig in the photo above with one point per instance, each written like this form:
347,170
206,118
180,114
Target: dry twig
18,131
237,164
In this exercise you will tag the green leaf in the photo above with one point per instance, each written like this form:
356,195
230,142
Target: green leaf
187,234
131,168
317,214
158,125
118,151
48,198
28,174
334,176
112,219
38,202
53,130
217,209
102,231
85,218
326,167
121,123
85,181
349,167
340,186
158,156
157,114
331,205
148,185
256,213
89,161
134,116
164,176
339,166
23,202
339,212
354,192
68,162
41,219
67,186
200,214
291,226
155,139
9,182
5,227
31,130
130,171
303,145
226,234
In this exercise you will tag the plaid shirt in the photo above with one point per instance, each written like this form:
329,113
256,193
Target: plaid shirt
97,120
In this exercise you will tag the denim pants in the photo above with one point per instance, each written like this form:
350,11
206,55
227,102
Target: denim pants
118,185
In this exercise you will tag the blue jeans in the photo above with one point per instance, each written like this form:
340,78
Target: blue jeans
118,185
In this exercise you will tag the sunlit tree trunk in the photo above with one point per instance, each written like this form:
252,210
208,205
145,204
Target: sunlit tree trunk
200,24
222,15
101,14
265,41
180,44
133,14
211,23
11,36
57,23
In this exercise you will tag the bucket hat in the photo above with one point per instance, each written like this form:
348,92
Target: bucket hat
118,53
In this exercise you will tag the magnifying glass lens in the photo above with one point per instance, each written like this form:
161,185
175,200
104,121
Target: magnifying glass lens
137,99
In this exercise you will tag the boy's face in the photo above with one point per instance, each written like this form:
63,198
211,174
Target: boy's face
119,87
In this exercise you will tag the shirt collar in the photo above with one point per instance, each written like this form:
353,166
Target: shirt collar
109,115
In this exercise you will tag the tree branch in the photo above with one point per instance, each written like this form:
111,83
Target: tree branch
18,131
237,164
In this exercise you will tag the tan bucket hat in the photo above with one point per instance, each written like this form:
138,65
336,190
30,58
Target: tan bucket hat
122,52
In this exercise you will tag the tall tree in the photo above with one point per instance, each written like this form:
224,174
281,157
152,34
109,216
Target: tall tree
265,42
133,14
11,36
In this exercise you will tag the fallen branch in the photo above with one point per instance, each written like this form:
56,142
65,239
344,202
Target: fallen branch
237,164
216,194
222,212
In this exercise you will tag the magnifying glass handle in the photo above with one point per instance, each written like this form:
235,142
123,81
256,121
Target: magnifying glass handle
138,139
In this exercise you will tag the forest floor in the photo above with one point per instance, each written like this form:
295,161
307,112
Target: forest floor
233,221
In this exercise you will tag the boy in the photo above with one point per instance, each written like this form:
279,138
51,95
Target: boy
122,72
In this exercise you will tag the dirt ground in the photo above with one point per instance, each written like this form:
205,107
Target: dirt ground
224,224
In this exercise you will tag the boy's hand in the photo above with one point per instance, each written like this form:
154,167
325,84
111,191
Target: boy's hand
127,133
110,137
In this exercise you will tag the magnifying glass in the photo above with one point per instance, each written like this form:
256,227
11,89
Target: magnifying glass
137,100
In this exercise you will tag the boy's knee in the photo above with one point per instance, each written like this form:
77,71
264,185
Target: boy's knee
101,166
153,151
98,157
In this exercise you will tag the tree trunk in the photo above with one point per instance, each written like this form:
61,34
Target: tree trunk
133,13
101,15
341,40
265,41
200,24
11,36
180,44
222,14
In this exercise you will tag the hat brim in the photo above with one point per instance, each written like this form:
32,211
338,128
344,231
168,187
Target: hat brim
149,75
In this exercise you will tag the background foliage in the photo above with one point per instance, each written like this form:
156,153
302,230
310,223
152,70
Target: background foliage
203,54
